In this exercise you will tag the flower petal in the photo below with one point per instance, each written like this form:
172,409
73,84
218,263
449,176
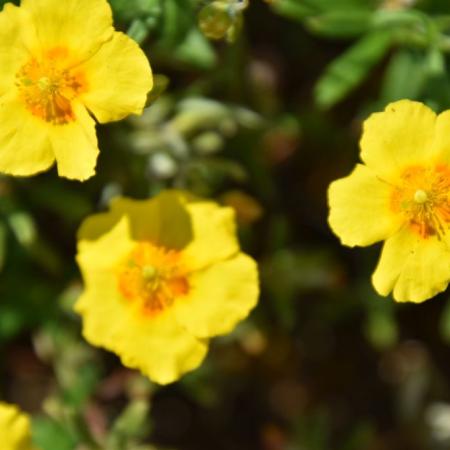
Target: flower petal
204,230
108,250
157,346
80,25
219,297
24,143
119,77
162,219
15,428
400,136
213,234
441,142
75,146
360,208
416,269
13,52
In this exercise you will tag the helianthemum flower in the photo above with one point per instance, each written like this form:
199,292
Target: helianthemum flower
15,431
401,195
161,277
62,63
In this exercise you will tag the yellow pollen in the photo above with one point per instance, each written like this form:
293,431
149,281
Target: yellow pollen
152,278
49,84
420,196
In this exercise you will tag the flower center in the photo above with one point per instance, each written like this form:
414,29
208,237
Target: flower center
49,84
422,196
153,277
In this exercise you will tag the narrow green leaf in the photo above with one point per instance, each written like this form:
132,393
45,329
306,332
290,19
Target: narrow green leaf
293,9
338,24
351,68
50,435
404,76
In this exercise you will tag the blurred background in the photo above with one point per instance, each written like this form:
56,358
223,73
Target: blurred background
259,106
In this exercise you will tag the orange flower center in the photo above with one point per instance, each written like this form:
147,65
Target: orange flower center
48,85
153,277
422,196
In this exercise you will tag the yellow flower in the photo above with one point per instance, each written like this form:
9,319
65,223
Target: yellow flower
62,61
14,428
161,277
400,195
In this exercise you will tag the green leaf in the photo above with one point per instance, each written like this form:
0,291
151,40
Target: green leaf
178,19
293,9
196,50
350,69
138,31
23,227
127,10
404,77
50,435
340,23
132,423
381,328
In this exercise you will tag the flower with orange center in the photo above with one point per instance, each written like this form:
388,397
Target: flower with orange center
62,65
14,428
163,276
401,195
152,276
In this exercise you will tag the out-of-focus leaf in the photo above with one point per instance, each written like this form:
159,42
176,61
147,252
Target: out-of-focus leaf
301,9
404,76
381,327
11,322
23,227
435,61
208,143
349,70
398,17
50,435
293,9
340,23
196,50
178,19
138,30
130,9
82,385
132,423
198,113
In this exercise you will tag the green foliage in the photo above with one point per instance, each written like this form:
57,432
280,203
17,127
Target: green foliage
263,101
48,434
351,68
